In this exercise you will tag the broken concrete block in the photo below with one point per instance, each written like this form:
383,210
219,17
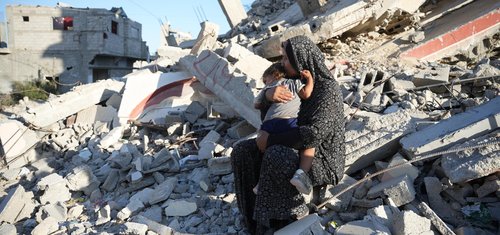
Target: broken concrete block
302,226
143,196
194,111
442,227
114,101
81,178
8,229
153,213
80,98
340,203
180,208
135,228
240,130
75,212
217,74
400,190
104,215
375,139
47,226
198,174
456,129
362,227
55,189
407,222
207,38
467,165
14,203
434,187
488,187
132,207
309,7
406,169
135,177
163,191
57,211
16,140
220,165
96,113
234,11
153,226
208,145
112,137
435,75
382,214
111,181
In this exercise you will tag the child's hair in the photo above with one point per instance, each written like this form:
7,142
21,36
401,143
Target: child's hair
276,70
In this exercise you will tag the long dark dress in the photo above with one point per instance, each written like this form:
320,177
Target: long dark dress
321,125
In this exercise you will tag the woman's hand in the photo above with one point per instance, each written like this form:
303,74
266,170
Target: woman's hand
262,140
279,94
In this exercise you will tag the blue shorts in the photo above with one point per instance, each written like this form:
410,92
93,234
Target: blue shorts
279,125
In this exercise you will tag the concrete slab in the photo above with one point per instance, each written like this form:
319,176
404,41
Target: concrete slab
456,129
468,165
377,138
163,191
81,97
12,204
302,226
457,31
148,96
16,140
234,11
96,113
218,75
180,208
207,37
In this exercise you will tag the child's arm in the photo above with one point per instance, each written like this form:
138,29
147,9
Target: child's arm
306,91
306,158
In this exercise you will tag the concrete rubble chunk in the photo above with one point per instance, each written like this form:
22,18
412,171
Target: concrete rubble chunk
434,75
382,214
467,165
442,208
163,191
112,137
406,169
132,207
135,228
208,145
57,211
442,227
153,213
17,139
104,215
374,139
81,178
217,74
407,222
111,181
8,229
180,208
240,130
207,38
47,226
12,205
460,127
220,165
234,11
194,111
302,226
80,98
400,190
340,203
488,187
153,226
362,227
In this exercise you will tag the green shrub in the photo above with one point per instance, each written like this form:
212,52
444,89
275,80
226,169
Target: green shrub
34,90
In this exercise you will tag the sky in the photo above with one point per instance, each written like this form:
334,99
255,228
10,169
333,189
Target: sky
181,14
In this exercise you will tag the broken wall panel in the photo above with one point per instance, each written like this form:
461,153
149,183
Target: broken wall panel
458,31
218,75
148,96
80,98
456,129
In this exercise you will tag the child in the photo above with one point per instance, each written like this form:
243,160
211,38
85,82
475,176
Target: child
281,117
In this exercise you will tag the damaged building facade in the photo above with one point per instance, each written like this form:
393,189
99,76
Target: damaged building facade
69,45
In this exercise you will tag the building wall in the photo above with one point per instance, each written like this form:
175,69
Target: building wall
38,50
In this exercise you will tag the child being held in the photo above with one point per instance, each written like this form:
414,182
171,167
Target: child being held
282,117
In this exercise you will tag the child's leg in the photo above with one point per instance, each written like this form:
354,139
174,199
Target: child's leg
300,179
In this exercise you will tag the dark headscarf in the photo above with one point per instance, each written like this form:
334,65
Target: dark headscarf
304,54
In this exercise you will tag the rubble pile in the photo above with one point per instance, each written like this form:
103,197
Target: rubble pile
150,153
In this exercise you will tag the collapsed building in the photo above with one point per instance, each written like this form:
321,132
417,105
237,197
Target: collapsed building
150,152
69,45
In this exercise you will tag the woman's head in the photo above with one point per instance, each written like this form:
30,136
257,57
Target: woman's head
273,73
300,53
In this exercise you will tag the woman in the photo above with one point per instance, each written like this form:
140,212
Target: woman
321,126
